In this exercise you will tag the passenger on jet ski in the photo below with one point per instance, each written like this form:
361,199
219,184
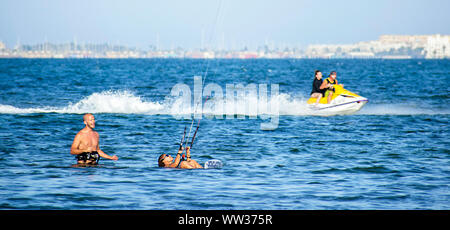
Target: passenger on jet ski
329,85
317,90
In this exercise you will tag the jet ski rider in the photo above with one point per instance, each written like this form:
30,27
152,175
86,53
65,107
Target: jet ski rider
317,90
328,84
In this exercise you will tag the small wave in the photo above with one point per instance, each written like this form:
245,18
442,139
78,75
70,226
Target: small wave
369,169
8,109
103,102
114,102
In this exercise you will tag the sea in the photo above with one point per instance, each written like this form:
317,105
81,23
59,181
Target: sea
392,154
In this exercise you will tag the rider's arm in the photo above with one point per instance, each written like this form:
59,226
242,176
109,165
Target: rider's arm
324,85
177,160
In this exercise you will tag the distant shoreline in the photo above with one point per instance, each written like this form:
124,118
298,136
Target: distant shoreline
386,47
190,58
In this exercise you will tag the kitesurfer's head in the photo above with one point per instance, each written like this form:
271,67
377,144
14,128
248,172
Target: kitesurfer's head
318,74
164,159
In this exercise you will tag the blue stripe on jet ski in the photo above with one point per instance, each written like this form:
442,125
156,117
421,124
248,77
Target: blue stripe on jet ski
341,104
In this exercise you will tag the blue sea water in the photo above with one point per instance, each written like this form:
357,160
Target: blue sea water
392,154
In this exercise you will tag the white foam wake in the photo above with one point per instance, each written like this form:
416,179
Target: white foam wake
399,109
126,102
121,101
113,102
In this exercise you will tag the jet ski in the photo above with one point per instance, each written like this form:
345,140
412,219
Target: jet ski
343,102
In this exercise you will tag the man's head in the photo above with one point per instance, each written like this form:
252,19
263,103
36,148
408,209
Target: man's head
89,120
164,159
333,75
318,74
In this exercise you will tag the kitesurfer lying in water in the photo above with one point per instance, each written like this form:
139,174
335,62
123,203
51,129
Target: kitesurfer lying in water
167,161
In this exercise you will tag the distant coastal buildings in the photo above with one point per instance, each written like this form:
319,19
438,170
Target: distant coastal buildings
386,47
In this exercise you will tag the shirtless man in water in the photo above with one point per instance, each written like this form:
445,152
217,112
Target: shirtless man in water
86,144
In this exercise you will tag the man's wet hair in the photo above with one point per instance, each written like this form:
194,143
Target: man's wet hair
161,160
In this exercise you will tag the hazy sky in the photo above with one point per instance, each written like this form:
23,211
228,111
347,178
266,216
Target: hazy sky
230,23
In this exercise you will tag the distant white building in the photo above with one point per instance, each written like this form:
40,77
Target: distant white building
437,46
